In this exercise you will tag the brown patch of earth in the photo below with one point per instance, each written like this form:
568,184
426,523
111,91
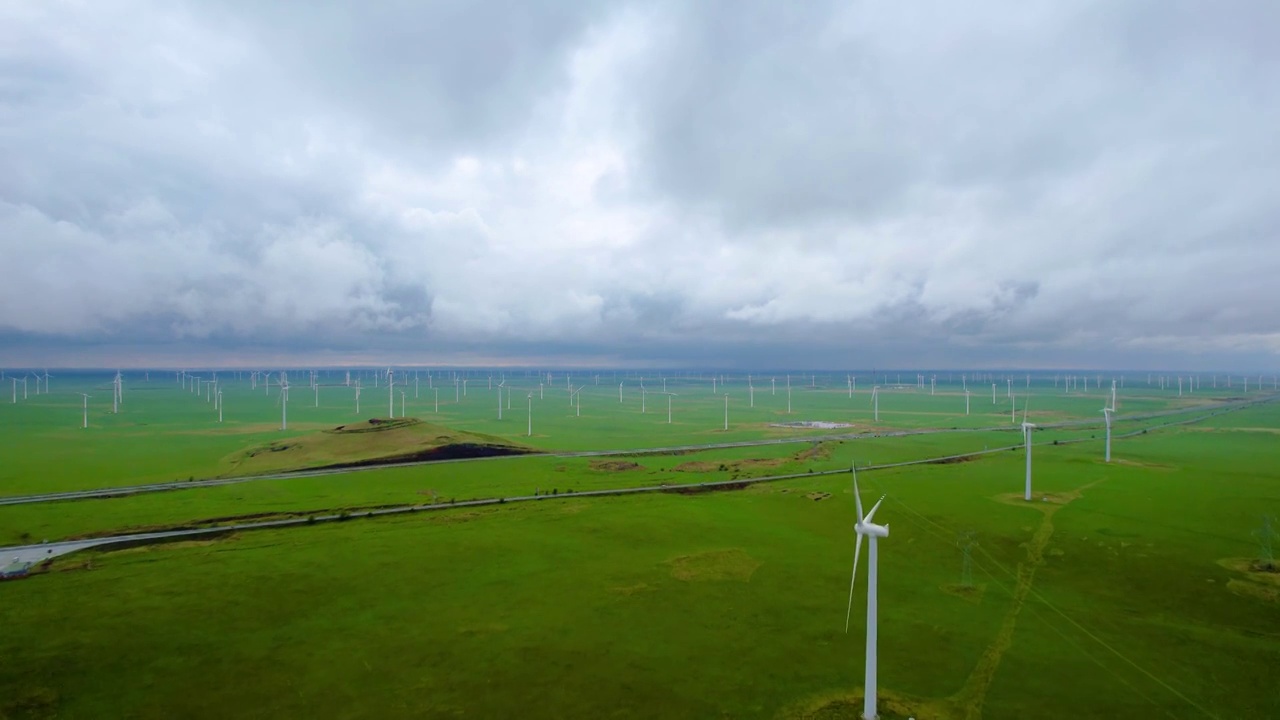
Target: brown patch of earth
817,451
733,564
818,495
971,593
890,705
615,465
1039,500
1260,582
705,466
954,460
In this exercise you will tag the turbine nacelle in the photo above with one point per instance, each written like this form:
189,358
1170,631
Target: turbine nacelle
871,529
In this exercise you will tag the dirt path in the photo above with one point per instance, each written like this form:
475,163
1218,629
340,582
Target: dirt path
970,698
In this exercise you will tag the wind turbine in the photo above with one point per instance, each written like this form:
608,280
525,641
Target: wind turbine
220,406
966,402
284,403
577,394
357,396
530,431
1026,438
85,424
726,411
1106,412
875,402
865,528
391,395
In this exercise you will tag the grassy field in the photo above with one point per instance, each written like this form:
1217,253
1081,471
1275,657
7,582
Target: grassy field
1125,590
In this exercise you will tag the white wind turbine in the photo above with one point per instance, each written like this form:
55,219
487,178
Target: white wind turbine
966,402
576,395
391,394
529,432
85,424
865,528
220,405
669,396
357,396
284,402
1106,412
1026,438
726,411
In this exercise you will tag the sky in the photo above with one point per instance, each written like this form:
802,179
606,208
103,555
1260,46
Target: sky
713,184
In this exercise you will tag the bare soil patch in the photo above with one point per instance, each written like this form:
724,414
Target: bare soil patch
954,460
970,593
733,564
615,465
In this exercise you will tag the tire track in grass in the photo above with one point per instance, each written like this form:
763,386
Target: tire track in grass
971,696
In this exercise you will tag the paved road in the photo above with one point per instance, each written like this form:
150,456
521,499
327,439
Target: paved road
125,490
30,554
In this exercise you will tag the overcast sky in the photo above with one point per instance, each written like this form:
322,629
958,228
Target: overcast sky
711,184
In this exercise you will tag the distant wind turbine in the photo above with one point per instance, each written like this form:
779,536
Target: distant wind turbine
284,403
1106,412
85,424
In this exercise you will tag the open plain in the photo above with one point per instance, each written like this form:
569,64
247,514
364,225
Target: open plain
1136,579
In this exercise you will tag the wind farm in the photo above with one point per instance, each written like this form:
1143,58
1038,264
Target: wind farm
957,319
198,488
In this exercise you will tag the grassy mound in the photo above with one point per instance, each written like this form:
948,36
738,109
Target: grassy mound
376,441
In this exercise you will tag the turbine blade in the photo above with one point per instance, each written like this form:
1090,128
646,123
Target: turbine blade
874,508
853,576
857,498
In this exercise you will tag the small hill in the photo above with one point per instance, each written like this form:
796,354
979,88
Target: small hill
375,441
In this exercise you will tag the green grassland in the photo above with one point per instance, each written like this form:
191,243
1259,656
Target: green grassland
1123,590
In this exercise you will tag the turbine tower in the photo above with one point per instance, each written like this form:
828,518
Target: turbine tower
1107,413
85,424
284,403
1026,438
865,528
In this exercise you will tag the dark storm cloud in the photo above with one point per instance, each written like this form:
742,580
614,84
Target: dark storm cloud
745,184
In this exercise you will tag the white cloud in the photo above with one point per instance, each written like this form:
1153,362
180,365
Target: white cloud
626,177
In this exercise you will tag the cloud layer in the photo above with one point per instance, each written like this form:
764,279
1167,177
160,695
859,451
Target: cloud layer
731,184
